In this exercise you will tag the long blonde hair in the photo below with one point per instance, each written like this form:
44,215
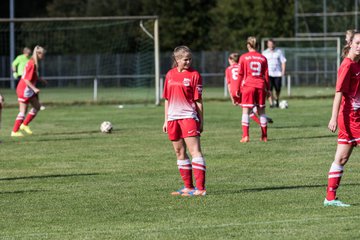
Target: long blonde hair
37,49
251,41
178,53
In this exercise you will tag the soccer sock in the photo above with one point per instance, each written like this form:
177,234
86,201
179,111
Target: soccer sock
245,124
30,116
199,169
263,124
19,119
335,174
185,170
255,118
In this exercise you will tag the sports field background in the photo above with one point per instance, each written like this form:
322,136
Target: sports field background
69,181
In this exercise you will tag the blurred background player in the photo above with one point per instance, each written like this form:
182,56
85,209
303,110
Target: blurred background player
277,64
254,72
27,93
345,115
234,83
18,65
184,120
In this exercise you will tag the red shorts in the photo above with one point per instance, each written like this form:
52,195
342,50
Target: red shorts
25,94
349,128
252,97
183,128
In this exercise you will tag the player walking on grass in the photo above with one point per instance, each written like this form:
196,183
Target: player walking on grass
184,120
27,92
254,72
234,83
345,115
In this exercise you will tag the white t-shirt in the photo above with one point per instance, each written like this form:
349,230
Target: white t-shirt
275,58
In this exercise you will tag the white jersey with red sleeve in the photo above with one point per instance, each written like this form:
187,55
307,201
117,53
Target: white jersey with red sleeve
254,70
232,78
182,90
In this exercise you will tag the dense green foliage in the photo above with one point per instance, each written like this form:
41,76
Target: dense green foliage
69,181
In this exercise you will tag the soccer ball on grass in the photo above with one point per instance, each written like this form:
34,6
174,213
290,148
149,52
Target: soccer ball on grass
106,127
283,104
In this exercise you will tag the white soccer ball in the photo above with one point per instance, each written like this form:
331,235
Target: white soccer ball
106,127
283,104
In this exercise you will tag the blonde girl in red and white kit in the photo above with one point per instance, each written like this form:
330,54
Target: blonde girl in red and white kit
345,116
184,120
27,92
255,86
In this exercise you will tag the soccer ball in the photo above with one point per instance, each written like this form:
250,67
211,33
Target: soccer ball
283,104
106,127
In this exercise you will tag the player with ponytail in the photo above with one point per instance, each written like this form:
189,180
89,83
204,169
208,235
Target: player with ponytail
27,92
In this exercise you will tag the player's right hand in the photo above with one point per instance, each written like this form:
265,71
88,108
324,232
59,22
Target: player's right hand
332,125
15,75
165,127
36,90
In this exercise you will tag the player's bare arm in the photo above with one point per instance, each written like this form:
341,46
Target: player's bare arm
335,112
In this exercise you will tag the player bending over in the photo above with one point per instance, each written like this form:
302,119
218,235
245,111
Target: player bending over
345,115
184,120
27,92
254,72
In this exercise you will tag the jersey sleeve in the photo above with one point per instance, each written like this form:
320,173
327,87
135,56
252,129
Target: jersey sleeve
166,92
282,57
343,79
16,62
197,87
227,76
241,72
29,71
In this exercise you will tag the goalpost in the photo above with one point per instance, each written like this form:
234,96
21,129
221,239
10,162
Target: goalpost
116,57
310,61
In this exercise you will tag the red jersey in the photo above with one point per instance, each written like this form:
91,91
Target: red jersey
348,82
30,74
232,78
254,70
181,90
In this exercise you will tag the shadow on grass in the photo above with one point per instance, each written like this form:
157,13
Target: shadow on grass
50,176
22,191
301,138
278,188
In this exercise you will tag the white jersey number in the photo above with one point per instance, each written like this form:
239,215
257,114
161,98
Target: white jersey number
235,74
256,68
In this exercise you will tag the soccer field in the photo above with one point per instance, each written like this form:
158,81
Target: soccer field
69,181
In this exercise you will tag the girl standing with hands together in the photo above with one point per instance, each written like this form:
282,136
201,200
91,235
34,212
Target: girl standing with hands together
184,120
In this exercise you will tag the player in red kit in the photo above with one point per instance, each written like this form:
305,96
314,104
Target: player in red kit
184,120
234,83
345,116
27,92
255,86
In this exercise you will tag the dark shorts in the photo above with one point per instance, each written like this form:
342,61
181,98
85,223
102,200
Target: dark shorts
275,83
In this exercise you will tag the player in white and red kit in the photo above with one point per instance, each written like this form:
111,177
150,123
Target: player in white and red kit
184,120
345,115
234,83
27,92
255,86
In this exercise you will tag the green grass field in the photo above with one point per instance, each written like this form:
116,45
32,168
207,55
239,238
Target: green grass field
69,181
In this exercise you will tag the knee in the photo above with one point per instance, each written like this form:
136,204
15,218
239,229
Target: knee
180,153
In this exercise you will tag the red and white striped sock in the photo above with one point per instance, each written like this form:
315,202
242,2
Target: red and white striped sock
199,169
263,124
335,174
185,170
19,120
30,116
245,125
